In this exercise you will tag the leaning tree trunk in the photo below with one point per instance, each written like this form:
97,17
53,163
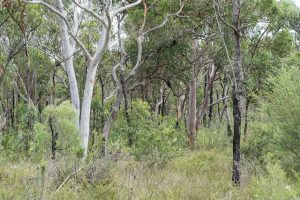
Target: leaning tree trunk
211,73
237,90
112,117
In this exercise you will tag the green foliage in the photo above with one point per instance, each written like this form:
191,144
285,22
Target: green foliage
213,138
274,185
42,140
284,111
155,138
283,43
275,132
261,142
15,142
63,122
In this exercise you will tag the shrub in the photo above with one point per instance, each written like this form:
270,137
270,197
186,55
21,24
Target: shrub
155,138
275,133
61,129
274,185
214,137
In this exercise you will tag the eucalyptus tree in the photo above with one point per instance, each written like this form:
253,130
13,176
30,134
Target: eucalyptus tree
143,32
70,32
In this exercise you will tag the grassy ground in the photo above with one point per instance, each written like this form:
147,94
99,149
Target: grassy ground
199,175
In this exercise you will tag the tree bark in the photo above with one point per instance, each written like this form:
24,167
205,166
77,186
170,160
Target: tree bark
179,109
248,100
68,51
237,91
211,100
112,117
211,73
86,107
192,115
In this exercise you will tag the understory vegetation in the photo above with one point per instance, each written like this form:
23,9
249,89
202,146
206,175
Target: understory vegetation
157,165
149,99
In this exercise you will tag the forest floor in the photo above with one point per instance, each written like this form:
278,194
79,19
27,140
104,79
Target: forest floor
199,175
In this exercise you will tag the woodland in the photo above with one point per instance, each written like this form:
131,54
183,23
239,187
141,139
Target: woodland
149,99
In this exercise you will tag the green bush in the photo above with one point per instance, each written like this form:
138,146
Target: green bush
64,125
215,137
275,132
274,185
155,138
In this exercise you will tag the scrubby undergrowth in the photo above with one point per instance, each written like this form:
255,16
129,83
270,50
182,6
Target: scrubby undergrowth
205,174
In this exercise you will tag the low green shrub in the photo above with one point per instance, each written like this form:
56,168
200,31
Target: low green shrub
155,139
214,137
274,185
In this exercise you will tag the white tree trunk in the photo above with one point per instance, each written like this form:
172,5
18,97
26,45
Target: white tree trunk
68,52
68,48
86,107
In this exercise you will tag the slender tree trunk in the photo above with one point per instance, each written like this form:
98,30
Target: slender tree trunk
237,90
208,87
211,100
54,137
248,99
112,117
225,110
179,109
218,105
13,109
160,101
192,115
68,52
124,91
102,102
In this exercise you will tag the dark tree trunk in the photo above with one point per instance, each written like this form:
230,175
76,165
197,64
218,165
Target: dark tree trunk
124,91
237,91
102,102
54,137
192,115
211,100
248,99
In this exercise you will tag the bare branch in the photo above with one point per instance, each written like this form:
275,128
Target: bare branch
91,12
165,20
141,34
61,15
126,7
81,45
219,100
217,9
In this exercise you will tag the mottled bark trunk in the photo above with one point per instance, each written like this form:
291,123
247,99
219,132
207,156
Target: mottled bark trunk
225,111
112,117
211,100
54,137
248,99
237,91
192,115
160,101
124,91
211,73
179,109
